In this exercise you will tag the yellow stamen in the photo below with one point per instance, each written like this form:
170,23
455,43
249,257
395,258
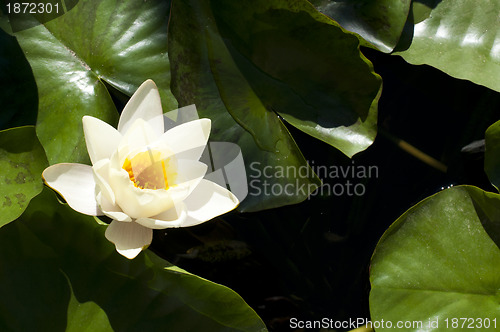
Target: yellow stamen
147,170
164,173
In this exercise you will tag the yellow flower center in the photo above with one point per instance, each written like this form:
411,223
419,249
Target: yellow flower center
147,170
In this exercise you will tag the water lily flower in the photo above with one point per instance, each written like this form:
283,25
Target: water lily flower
141,176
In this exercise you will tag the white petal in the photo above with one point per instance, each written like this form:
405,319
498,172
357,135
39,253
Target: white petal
129,237
75,182
173,217
187,140
111,210
179,116
208,201
144,104
138,137
189,173
101,177
101,138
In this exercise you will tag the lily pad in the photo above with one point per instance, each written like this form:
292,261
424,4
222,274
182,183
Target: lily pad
379,22
440,260
51,244
22,161
120,43
274,60
458,37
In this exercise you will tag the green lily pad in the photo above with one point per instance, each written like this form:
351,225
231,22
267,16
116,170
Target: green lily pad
379,22
51,245
439,261
22,161
492,154
273,60
120,43
458,37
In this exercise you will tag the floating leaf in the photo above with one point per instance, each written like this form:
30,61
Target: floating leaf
274,57
440,260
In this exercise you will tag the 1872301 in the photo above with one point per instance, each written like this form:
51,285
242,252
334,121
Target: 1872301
471,323
26,14
32,8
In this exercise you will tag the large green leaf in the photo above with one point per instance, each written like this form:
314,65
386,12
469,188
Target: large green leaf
22,161
122,43
458,37
51,244
273,57
440,260
492,154
379,22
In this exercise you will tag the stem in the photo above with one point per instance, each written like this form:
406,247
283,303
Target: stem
410,149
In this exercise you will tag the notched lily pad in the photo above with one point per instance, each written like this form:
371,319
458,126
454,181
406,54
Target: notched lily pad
276,60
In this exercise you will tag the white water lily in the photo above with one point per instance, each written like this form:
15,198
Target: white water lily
142,177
